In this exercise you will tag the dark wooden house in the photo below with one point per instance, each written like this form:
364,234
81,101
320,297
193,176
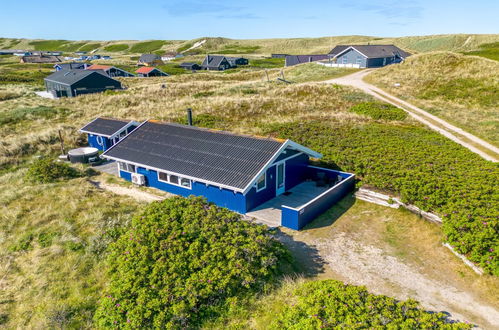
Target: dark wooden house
150,60
190,66
235,61
215,62
111,71
367,56
69,83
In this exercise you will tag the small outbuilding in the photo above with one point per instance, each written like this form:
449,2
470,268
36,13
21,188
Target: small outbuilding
249,175
190,66
291,60
215,62
149,60
367,56
70,83
111,71
235,61
103,133
150,72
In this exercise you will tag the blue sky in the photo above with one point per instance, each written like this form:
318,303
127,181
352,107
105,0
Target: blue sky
162,19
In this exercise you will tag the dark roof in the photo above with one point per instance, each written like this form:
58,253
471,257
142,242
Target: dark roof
149,58
41,59
71,66
299,59
69,77
372,51
104,126
213,61
209,156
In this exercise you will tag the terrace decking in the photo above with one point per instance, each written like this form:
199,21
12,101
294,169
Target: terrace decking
269,212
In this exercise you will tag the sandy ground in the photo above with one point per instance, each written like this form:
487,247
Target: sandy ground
358,263
450,131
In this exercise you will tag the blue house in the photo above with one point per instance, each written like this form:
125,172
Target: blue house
234,171
103,133
367,56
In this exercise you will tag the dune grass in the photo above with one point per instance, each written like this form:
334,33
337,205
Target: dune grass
490,51
460,89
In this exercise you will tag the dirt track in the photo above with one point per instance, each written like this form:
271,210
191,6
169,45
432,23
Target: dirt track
450,131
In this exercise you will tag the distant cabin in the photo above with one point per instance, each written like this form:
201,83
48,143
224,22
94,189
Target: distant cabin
14,52
215,62
40,59
150,72
79,53
71,66
111,71
103,133
239,172
367,56
149,60
235,61
291,60
70,83
190,66
278,55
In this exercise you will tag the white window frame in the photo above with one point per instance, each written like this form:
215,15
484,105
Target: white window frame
264,175
180,178
127,169
344,60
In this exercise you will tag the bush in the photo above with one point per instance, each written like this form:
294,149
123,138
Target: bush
179,262
46,170
379,111
424,168
331,304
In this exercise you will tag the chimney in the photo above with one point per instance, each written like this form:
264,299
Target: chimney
189,116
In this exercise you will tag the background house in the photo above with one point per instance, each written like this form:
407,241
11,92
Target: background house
76,82
235,61
234,171
71,66
170,56
215,62
40,59
190,66
103,133
111,71
150,72
367,56
149,60
291,60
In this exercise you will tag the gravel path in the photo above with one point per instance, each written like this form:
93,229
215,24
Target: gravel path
435,123
362,264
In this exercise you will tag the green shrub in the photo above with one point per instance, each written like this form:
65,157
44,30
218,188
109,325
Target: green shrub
379,111
46,170
179,262
23,244
331,304
424,168
45,238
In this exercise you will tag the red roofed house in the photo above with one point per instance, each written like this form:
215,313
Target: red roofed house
111,71
148,71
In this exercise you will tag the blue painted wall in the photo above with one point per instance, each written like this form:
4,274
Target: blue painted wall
254,198
221,197
350,57
297,219
93,142
296,171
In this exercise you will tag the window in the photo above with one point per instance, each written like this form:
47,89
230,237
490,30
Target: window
127,167
359,60
162,176
174,179
344,60
261,183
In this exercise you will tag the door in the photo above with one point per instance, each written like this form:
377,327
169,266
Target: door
279,189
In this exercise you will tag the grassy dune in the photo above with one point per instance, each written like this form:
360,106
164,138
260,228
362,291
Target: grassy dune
460,89
451,42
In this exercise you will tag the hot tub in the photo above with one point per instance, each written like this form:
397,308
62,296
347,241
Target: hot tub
81,155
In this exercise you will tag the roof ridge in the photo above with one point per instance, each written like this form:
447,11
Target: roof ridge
219,131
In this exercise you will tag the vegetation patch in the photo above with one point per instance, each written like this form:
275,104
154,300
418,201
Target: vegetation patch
425,168
205,120
90,47
268,63
490,51
46,170
147,46
48,45
238,49
379,111
116,48
180,261
20,114
331,304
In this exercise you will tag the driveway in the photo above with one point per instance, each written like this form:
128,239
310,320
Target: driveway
456,134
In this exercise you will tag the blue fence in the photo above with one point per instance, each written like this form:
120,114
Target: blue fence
297,218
